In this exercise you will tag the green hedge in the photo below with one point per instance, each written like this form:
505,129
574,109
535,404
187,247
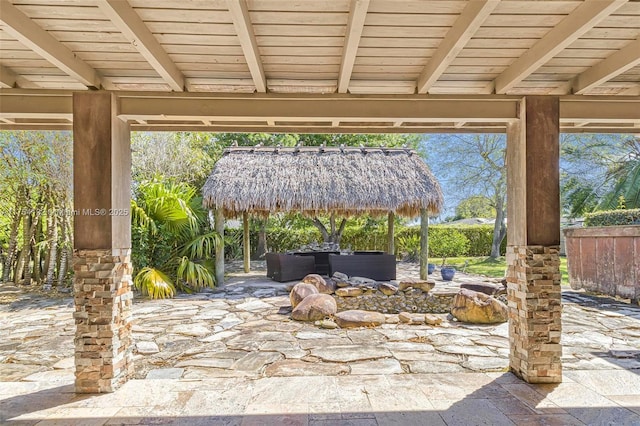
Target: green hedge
444,241
478,240
613,217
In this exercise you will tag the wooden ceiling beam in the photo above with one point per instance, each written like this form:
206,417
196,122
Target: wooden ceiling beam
471,18
134,29
571,28
244,29
357,15
27,32
619,62
7,78
317,108
337,112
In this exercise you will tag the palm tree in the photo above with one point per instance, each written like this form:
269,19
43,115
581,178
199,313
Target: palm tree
173,247
625,173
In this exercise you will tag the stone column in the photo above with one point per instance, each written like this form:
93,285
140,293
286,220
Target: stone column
102,244
533,241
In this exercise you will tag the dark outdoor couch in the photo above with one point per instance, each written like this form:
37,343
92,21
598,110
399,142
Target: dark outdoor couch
321,259
380,267
288,267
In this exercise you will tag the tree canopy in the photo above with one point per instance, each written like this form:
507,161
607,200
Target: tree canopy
596,170
472,165
475,206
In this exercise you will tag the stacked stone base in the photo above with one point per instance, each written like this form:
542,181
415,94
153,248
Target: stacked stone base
103,298
403,301
534,300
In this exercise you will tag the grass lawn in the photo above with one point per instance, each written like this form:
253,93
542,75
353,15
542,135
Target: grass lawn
494,268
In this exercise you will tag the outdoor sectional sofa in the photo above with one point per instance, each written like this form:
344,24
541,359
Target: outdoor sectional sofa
288,267
377,266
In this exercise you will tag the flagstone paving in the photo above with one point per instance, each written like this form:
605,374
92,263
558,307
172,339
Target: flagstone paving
234,352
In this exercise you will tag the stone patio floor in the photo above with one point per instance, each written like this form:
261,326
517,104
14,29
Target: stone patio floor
232,356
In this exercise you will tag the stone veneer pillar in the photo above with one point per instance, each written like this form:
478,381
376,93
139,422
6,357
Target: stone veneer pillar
102,243
533,240
533,292
103,298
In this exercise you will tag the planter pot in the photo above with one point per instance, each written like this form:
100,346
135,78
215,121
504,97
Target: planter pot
447,273
430,268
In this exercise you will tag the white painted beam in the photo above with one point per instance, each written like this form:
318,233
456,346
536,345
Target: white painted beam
471,18
134,29
27,32
582,19
357,15
619,62
244,29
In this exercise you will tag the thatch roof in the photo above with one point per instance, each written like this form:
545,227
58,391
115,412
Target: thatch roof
314,180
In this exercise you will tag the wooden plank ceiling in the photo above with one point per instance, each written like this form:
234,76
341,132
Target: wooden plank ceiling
321,49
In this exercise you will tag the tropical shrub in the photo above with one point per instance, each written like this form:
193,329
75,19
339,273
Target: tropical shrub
409,247
446,241
172,244
613,217
283,239
474,240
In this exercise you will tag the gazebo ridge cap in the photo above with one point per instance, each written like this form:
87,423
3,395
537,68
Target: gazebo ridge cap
301,149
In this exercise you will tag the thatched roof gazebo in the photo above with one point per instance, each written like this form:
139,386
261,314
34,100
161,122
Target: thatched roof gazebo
315,180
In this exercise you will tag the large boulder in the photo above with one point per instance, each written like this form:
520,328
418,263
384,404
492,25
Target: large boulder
492,289
479,308
315,307
357,318
300,291
323,286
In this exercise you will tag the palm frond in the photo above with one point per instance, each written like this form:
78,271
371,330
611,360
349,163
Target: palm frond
170,205
627,185
140,218
154,283
195,274
203,246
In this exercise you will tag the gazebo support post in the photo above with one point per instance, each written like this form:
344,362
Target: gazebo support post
219,228
102,244
424,244
391,248
246,244
533,241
